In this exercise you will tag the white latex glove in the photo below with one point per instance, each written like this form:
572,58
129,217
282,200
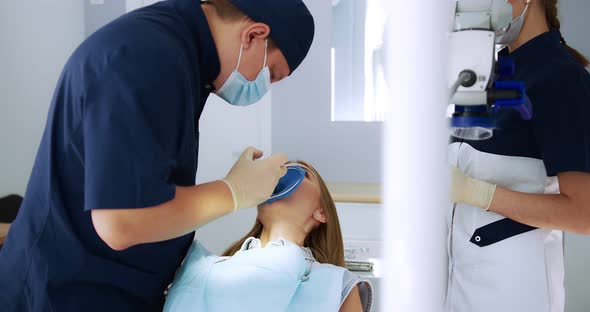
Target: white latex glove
471,191
251,180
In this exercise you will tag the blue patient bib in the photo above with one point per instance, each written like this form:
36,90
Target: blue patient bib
279,277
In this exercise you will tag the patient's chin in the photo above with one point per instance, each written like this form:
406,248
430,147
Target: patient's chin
267,210
264,207
277,210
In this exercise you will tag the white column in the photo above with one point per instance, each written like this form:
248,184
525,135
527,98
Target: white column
415,188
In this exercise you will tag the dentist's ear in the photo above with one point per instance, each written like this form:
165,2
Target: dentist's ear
319,216
252,32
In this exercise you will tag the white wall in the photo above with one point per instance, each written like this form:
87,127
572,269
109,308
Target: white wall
225,131
36,38
131,5
575,23
97,13
341,151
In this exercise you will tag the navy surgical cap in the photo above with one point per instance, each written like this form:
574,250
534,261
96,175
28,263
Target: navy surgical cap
291,25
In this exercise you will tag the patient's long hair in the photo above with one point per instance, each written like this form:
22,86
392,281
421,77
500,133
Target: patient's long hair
325,241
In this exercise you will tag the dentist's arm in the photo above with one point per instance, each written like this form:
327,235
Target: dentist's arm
191,207
567,211
248,183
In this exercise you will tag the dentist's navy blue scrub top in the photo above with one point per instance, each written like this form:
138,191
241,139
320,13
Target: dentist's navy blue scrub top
121,133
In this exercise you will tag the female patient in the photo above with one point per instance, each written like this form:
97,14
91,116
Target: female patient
291,260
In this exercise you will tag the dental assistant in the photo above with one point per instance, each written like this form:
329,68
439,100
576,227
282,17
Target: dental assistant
111,205
515,193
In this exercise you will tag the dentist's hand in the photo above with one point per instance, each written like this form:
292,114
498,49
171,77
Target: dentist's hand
471,191
251,180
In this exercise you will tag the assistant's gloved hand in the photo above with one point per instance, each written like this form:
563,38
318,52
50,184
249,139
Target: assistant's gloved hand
471,191
251,180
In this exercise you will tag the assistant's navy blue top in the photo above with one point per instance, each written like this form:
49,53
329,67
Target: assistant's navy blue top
121,133
559,90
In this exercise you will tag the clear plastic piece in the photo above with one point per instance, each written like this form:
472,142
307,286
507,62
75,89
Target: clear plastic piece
473,134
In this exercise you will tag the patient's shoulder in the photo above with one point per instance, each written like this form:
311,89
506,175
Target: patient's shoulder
350,280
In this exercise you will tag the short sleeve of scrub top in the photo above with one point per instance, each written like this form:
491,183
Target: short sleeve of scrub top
131,127
561,121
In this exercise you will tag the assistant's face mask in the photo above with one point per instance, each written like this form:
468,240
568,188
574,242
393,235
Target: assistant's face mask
508,34
239,91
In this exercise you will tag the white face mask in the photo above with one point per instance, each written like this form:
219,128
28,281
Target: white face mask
507,35
239,91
